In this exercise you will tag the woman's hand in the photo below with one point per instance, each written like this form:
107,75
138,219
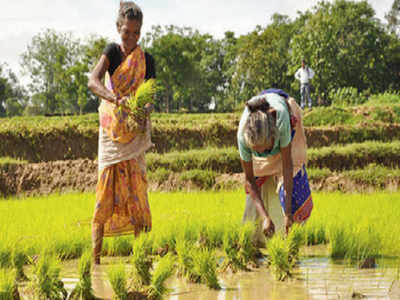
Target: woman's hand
288,221
149,108
268,227
121,101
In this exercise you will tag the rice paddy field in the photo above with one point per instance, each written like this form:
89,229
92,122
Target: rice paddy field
348,236
198,247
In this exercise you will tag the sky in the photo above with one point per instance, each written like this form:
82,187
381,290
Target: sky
20,20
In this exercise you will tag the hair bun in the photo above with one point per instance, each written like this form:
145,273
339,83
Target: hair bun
258,104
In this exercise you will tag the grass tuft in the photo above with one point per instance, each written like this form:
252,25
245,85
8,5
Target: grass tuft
118,280
46,282
164,269
83,290
279,257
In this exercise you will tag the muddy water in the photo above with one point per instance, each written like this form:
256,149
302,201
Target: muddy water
314,278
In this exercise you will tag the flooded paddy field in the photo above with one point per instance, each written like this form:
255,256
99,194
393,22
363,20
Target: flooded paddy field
315,277
344,232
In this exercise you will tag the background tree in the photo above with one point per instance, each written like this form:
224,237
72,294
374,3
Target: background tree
263,58
345,44
48,56
12,95
393,18
188,66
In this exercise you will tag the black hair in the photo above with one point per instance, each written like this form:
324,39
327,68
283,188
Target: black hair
129,10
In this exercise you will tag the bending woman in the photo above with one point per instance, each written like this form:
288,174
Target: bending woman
121,194
270,158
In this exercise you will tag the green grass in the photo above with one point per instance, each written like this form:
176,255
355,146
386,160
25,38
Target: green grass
8,285
4,161
118,278
61,224
46,280
278,258
384,99
83,289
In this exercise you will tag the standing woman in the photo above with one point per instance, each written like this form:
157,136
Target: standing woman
121,194
272,148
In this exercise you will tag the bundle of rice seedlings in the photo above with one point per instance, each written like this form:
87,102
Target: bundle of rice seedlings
338,241
8,285
117,277
136,102
278,257
205,266
164,269
18,260
210,237
364,247
295,240
83,290
185,260
46,283
231,249
141,261
5,256
247,251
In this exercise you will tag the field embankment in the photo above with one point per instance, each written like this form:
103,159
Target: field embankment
38,139
350,149
355,167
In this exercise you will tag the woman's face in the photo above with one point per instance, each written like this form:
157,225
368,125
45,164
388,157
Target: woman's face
130,33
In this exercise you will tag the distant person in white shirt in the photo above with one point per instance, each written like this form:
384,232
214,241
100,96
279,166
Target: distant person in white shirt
304,74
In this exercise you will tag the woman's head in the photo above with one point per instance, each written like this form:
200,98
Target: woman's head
129,23
260,128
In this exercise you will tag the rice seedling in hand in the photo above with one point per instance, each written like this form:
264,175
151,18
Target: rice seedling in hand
205,267
164,269
83,290
141,261
8,285
46,283
136,102
278,257
118,280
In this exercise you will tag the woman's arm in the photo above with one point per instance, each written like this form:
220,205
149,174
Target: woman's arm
95,83
287,167
268,226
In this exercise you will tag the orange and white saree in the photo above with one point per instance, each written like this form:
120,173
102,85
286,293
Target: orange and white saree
121,193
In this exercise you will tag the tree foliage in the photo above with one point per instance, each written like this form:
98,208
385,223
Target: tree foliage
342,40
58,65
393,18
346,45
12,94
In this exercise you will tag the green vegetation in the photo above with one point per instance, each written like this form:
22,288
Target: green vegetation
83,290
196,217
5,162
119,282
46,281
8,285
278,257
141,261
164,269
